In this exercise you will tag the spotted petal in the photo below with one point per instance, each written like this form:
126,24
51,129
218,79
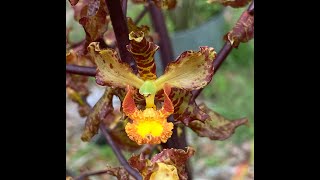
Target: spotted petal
185,109
143,52
192,70
242,32
92,15
100,110
216,127
110,70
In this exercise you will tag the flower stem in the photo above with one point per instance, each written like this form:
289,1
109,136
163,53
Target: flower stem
87,174
81,70
118,154
158,22
121,31
141,15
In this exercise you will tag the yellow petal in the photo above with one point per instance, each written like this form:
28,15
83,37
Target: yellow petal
165,172
110,70
192,70
149,127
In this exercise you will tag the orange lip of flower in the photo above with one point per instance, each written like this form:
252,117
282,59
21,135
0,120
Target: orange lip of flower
149,126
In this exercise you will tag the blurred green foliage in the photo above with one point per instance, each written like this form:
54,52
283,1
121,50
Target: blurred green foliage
77,33
180,16
190,14
231,92
213,161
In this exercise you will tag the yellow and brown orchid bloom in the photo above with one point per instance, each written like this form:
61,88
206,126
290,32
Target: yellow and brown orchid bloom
192,70
148,100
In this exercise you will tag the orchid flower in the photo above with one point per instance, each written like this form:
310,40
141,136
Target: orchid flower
191,70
